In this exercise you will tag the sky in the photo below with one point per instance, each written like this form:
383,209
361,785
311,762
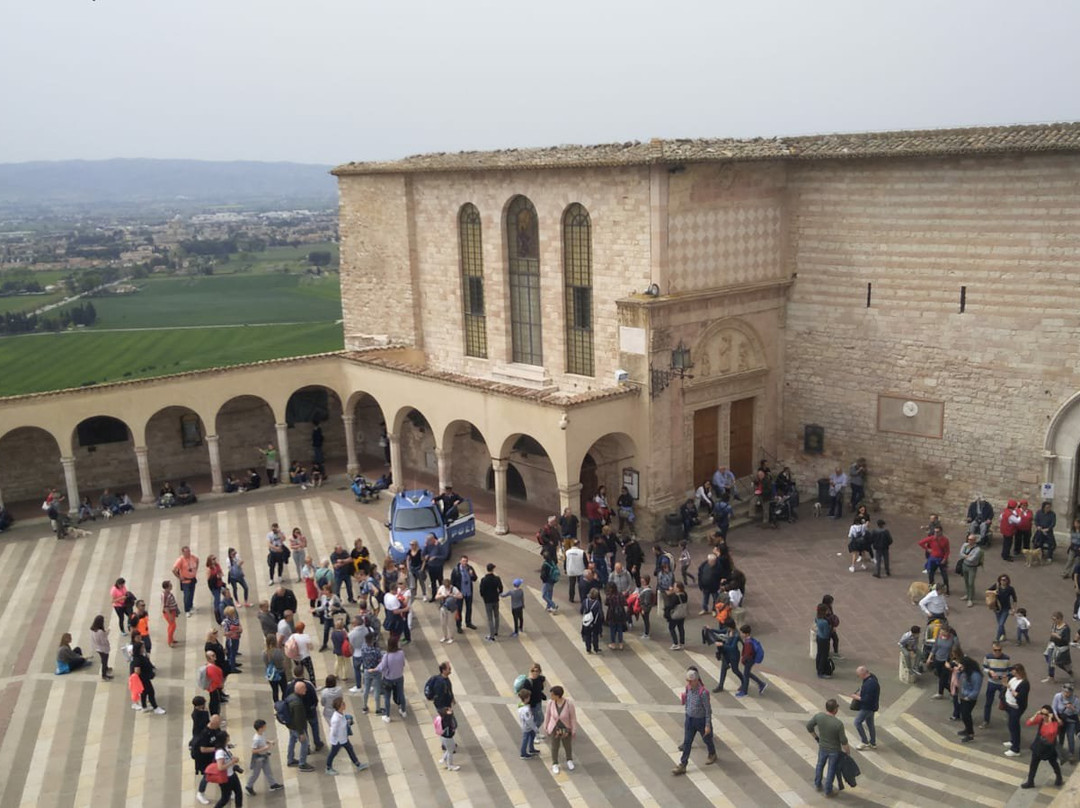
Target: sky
333,81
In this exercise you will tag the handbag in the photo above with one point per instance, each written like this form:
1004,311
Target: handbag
214,774
854,706
959,569
991,600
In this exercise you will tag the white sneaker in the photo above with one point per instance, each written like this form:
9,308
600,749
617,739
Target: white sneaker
453,768
159,711
863,746
1011,753
136,706
401,713
442,639
555,768
202,799
570,765
386,719
449,641
862,566
851,568
673,647
354,689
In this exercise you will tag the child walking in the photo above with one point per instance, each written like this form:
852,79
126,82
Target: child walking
446,728
684,563
1023,625
517,606
260,759
528,725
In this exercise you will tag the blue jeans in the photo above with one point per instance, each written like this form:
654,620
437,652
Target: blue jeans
707,600
993,693
823,757
348,747
313,724
1002,615
538,717
216,595
358,671
372,684
747,676
189,595
732,664
398,690
295,736
547,592
528,742
1068,731
1014,726
616,633
338,581
691,727
866,717
241,582
231,649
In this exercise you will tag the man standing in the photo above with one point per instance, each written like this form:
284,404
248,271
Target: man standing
709,581
444,688
698,718
869,698
934,605
491,587
998,669
635,556
463,577
215,682
310,697
298,722
317,443
979,517
1007,528
358,632
568,525
857,479
275,545
575,566
447,502
880,541
273,466
343,564
721,515
838,481
267,621
828,731
186,569
303,648
937,546
283,600
622,579
435,555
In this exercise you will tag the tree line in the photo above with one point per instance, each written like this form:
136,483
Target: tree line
19,322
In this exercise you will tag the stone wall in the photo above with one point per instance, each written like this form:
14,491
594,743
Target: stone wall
169,459
29,465
244,425
1006,228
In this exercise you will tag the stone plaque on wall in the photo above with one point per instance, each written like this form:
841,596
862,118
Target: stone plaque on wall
910,416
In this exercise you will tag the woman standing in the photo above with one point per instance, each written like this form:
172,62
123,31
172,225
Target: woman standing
970,687
646,602
99,641
170,610
625,504
232,628
415,562
592,621
392,668
340,727
338,637
449,599
119,595
274,660
298,548
391,575
1057,650
215,582
1016,701
1005,604
971,558
1073,556
665,576
142,667
616,615
560,723
675,612
236,576
602,504
307,575
822,631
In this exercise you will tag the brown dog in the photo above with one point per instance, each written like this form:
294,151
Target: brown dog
1033,558
917,591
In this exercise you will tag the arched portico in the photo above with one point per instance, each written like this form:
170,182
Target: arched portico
307,408
1061,456
244,425
463,455
104,455
365,434
603,462
175,445
538,472
29,464
412,448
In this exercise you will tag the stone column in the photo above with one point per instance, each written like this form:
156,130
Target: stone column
396,470
499,466
442,458
570,497
217,485
147,486
72,483
283,451
352,465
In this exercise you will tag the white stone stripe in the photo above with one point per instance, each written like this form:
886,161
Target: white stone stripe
49,724
653,730
963,755
18,592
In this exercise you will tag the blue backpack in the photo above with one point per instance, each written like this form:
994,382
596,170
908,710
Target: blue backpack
759,652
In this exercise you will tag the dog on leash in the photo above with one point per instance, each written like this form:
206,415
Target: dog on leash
1034,557
917,591
817,509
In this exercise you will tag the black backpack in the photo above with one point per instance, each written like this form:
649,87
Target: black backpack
431,688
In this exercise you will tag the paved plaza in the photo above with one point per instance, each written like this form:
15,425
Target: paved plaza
72,741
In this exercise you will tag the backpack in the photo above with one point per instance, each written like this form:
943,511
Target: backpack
759,652
292,651
129,602
281,712
830,666
346,647
553,572
202,678
431,688
437,723
521,681
272,673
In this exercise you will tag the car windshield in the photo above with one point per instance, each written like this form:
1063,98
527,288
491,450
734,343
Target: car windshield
415,518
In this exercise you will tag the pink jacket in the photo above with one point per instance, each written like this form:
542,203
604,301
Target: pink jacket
568,716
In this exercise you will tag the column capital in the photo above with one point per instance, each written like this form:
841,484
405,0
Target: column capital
212,438
571,488
348,418
500,463
281,426
141,451
67,462
393,438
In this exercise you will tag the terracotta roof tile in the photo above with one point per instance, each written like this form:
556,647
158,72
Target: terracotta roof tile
921,143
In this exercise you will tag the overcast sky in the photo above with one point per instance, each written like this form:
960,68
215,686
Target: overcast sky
331,81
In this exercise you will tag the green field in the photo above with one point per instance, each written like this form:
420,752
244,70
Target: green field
222,300
277,259
39,362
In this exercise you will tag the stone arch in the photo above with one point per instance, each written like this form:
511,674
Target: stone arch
515,483
176,448
29,463
306,406
244,424
1061,454
369,426
104,450
536,467
417,439
466,454
602,462
727,346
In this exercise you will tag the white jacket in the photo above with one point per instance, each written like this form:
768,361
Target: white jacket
575,562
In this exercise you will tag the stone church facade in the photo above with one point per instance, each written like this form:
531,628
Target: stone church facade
540,322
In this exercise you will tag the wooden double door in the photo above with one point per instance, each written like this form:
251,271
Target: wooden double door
707,430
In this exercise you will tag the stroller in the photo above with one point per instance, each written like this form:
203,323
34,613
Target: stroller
781,508
364,490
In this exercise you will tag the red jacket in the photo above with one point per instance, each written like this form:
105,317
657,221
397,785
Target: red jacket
936,546
216,677
1006,527
1047,729
1026,517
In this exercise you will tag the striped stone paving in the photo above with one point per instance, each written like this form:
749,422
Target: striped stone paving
72,741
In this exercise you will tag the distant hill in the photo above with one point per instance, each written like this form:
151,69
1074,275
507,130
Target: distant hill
164,183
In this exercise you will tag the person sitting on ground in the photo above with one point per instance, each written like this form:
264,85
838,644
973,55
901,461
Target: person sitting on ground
126,505
703,496
184,494
253,479
69,659
167,496
86,510
318,474
232,485
110,504
362,489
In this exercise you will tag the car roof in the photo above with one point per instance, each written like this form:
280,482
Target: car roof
415,498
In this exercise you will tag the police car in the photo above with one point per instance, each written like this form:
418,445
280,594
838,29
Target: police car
414,514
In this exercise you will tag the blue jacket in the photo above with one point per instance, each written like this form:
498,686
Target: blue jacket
870,694
970,685
822,628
